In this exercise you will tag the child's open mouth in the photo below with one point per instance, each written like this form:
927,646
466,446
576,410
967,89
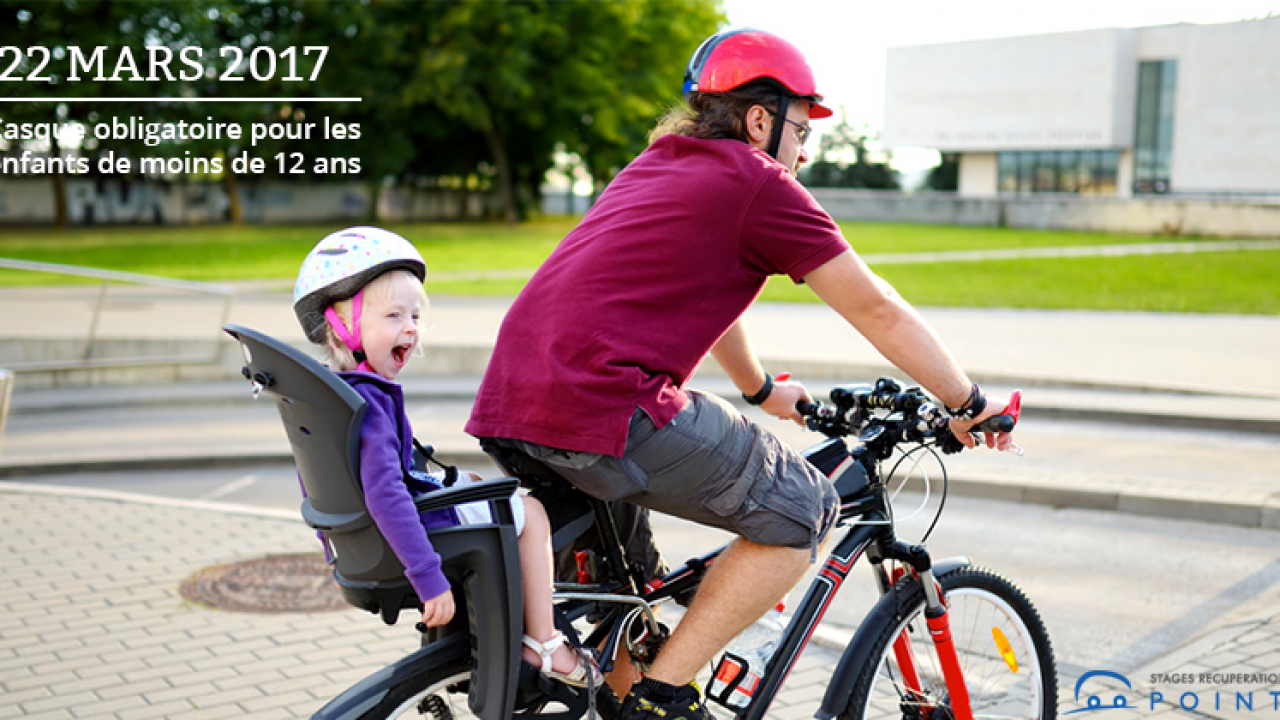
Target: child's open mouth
400,354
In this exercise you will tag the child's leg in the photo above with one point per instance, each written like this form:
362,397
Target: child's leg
536,582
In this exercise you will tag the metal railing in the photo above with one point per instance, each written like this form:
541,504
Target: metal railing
86,359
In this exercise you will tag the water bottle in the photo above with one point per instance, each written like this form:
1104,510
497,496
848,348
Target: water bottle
743,663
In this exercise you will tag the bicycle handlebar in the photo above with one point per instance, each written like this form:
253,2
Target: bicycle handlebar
912,415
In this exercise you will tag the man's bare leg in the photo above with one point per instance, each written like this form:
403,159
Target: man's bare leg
744,582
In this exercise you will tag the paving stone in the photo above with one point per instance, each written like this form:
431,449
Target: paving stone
58,701
171,709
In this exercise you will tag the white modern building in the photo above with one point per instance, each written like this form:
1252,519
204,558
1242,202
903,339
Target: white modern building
1186,110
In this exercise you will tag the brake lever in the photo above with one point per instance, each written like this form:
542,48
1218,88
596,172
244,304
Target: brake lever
1004,422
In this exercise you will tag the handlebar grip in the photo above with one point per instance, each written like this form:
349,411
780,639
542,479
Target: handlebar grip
996,423
806,408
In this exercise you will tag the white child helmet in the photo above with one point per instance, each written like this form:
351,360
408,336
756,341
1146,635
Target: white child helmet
342,263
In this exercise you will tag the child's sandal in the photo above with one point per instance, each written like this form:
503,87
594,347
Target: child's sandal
578,677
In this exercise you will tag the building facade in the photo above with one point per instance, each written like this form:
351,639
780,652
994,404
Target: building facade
1186,110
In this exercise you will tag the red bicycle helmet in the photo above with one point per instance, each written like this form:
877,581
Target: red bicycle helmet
733,58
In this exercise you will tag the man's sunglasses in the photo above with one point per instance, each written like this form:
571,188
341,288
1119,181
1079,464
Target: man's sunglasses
802,131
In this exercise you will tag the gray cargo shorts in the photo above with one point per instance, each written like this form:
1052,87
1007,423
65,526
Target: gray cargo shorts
712,466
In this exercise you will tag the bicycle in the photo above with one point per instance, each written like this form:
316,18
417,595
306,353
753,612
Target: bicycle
946,639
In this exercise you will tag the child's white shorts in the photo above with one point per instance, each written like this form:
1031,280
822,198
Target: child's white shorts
477,513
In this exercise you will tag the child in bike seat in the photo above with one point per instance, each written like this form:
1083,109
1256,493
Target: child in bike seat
359,294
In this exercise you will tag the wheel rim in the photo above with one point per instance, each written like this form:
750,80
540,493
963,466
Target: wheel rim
996,691
409,708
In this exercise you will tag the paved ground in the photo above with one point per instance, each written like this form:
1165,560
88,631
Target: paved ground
93,624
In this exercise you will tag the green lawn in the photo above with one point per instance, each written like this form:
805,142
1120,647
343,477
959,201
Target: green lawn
1219,282
258,252
1227,282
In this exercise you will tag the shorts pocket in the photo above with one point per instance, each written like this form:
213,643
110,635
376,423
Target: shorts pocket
726,494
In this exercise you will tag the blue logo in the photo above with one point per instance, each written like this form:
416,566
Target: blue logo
1189,700
1094,702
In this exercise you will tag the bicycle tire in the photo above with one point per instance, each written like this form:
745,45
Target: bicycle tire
979,600
428,696
406,699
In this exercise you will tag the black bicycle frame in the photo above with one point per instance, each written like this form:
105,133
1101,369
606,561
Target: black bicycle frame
812,608
875,533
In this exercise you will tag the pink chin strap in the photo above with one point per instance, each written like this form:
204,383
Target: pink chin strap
350,336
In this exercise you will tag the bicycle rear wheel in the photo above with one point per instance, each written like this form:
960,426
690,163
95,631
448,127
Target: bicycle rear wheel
1004,654
428,685
439,693
426,697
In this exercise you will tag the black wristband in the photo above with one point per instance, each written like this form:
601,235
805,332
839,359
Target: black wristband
972,407
763,395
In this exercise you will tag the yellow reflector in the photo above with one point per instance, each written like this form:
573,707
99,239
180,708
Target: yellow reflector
1006,650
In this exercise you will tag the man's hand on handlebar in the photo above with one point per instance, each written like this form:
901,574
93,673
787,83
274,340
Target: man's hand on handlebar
782,400
999,440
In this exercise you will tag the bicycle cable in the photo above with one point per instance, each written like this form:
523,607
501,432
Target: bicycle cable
942,496
924,501
927,480
895,492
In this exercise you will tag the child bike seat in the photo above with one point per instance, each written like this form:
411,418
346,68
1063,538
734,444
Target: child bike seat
323,416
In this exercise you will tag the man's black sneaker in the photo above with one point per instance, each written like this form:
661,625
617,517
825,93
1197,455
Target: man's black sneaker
650,699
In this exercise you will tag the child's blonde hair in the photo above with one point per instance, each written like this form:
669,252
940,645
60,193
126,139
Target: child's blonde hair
337,355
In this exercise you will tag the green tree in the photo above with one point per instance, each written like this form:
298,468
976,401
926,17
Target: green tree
525,76
472,94
945,176
624,63
59,24
844,158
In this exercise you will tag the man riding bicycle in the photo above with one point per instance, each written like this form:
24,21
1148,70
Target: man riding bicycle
590,364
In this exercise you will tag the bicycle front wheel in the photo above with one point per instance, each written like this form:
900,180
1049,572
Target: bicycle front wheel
1004,654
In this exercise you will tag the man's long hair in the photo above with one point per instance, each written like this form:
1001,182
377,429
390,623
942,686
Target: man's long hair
716,116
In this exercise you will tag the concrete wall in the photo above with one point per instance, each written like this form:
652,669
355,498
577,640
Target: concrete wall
30,201
1031,93
1227,108
1078,91
979,175
1160,216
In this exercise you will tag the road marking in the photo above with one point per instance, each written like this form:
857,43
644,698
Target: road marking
229,488
1074,251
1038,253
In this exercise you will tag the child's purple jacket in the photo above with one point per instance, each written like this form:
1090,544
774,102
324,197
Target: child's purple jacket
386,458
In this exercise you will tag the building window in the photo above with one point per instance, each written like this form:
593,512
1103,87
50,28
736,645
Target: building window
1079,172
1153,130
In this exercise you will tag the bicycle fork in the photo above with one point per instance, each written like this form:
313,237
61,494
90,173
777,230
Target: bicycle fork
938,620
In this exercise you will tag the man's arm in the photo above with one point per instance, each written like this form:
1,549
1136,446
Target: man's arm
734,354
876,310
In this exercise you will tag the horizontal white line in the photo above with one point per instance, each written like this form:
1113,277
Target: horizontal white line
184,100
84,493
229,488
1074,251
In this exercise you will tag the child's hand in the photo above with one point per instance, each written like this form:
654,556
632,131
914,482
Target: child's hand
438,610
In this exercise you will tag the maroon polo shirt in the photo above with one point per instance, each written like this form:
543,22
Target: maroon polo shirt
631,301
